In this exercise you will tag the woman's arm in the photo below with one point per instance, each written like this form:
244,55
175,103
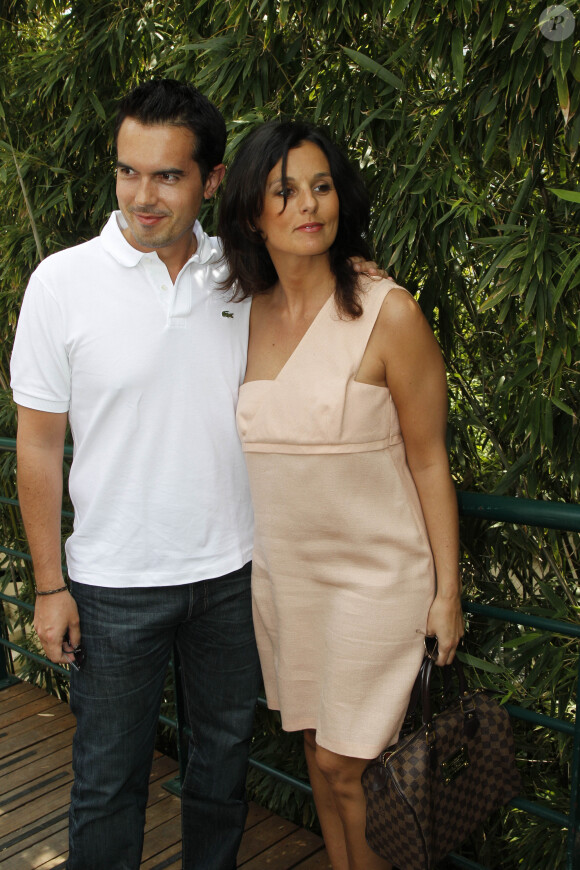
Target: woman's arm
415,375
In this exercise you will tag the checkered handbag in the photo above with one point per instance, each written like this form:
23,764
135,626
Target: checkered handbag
430,790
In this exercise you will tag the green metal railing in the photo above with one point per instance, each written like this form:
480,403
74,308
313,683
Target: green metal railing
540,514
552,515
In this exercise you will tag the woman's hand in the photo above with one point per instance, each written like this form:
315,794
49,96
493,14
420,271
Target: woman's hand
369,267
445,620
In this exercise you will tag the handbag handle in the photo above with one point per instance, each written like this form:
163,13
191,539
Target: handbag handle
425,674
409,723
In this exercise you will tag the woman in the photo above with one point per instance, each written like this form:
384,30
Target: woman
342,415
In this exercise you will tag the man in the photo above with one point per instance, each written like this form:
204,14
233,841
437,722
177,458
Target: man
127,338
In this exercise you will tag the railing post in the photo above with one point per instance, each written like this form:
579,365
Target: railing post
573,842
7,677
174,785
182,738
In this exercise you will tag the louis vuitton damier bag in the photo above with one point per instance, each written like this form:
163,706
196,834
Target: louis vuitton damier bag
430,790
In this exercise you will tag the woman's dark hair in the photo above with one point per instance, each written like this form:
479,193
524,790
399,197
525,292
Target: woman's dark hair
166,101
251,270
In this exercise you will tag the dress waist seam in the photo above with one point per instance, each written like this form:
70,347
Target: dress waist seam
301,449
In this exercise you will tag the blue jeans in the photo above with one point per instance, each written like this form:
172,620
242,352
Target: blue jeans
128,635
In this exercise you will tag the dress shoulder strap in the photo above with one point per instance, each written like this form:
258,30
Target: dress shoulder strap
372,294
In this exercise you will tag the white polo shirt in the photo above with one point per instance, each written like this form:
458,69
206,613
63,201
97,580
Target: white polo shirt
149,374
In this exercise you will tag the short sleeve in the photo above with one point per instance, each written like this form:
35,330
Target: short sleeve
40,371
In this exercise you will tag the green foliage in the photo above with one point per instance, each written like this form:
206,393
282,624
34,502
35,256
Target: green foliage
282,751
466,123
464,118
535,571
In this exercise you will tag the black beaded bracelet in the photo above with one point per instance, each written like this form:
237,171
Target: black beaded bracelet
52,591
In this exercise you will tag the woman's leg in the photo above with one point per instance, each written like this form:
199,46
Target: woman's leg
339,787
328,815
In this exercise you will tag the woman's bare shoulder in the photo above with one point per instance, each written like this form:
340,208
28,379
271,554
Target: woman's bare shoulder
400,309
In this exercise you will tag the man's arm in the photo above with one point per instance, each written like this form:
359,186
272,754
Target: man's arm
40,445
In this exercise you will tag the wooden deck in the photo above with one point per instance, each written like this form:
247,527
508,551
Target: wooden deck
36,732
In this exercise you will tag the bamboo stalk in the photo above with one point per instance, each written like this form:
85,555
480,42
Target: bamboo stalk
26,200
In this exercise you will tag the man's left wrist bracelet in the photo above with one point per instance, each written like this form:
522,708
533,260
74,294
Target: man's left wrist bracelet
52,591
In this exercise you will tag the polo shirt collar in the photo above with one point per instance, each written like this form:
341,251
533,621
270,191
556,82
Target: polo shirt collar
115,243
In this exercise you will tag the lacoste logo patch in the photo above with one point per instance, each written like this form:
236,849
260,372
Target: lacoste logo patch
227,314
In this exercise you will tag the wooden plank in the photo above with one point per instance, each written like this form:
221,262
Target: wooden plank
35,790
56,863
17,689
31,774
162,811
256,814
57,794
31,755
47,846
319,861
163,769
38,842
41,731
287,853
158,792
35,705
263,835
31,750
33,768
17,695
168,859
27,723
55,801
162,837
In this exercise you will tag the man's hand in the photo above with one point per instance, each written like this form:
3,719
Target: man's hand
56,617
369,267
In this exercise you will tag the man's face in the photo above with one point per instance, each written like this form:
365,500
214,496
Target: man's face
159,187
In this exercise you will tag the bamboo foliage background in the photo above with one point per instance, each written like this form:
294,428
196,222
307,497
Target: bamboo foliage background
465,120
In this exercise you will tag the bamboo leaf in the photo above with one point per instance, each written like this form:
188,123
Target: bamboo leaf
547,426
563,95
524,30
397,9
372,66
524,194
480,664
494,299
526,638
563,406
98,106
568,195
497,21
572,271
558,606
562,56
457,57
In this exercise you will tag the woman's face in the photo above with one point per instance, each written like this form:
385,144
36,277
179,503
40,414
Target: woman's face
309,223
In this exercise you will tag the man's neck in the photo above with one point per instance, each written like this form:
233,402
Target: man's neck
174,255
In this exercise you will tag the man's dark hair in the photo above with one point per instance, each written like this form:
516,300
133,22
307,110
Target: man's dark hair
251,270
166,101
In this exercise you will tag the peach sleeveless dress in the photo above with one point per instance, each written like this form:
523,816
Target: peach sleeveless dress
343,574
